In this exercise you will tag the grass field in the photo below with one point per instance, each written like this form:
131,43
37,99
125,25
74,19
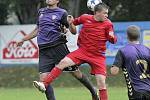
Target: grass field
115,93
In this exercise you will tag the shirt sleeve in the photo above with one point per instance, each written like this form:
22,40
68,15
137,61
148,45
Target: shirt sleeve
110,34
37,17
118,60
79,20
64,20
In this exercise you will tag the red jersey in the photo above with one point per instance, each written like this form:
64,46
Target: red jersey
94,34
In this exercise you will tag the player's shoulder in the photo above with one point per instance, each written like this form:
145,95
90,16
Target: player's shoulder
144,47
108,22
42,9
85,16
57,9
61,9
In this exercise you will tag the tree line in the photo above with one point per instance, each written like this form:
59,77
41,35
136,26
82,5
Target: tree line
120,10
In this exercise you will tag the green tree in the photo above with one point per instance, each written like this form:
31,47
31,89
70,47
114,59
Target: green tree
120,10
25,10
129,10
124,10
3,12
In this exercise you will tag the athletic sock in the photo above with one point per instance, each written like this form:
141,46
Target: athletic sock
86,82
55,72
50,93
103,94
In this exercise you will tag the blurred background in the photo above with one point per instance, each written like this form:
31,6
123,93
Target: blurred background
18,66
24,11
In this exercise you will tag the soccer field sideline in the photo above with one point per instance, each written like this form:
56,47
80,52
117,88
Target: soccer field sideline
115,93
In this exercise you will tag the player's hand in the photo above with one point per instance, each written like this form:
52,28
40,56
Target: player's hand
65,29
111,34
70,19
114,70
20,43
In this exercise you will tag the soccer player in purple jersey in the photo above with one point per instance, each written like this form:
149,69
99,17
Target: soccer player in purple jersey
52,44
134,59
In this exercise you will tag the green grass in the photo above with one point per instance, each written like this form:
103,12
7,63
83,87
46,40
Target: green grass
115,93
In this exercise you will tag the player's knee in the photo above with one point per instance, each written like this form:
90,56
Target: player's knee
77,74
101,85
63,64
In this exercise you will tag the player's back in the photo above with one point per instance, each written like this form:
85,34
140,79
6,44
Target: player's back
136,66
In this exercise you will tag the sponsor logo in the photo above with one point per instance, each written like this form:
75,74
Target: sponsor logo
28,50
41,15
54,17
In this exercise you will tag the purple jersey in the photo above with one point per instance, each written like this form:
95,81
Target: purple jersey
49,25
134,59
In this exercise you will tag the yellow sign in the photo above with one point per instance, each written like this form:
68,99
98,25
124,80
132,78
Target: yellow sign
146,38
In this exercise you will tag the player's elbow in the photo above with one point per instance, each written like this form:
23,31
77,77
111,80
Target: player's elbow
114,70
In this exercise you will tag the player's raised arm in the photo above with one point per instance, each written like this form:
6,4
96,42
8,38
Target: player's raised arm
72,27
74,22
32,35
110,34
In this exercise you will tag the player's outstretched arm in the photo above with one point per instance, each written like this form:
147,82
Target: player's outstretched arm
32,35
72,27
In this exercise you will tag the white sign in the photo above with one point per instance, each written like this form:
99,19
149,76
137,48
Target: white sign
28,53
10,53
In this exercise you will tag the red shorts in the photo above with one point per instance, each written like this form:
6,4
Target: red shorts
97,62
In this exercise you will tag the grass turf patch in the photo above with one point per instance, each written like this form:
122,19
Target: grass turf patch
78,93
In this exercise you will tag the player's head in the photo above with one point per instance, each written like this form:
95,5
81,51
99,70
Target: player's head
133,33
52,2
101,11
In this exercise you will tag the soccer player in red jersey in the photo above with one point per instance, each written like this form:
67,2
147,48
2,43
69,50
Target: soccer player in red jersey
97,29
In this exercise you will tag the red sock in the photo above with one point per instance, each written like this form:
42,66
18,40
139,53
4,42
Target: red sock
55,72
103,94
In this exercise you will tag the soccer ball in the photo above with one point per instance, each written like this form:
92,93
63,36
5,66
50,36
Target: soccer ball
91,4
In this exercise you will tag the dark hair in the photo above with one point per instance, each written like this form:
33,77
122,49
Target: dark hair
133,33
100,7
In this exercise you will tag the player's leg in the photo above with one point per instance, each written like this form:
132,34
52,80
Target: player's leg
57,70
69,60
98,68
86,82
77,74
45,65
49,91
101,84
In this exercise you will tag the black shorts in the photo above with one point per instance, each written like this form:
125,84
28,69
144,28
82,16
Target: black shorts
140,96
49,57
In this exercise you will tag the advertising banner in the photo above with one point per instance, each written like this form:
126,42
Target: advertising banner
10,53
28,52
